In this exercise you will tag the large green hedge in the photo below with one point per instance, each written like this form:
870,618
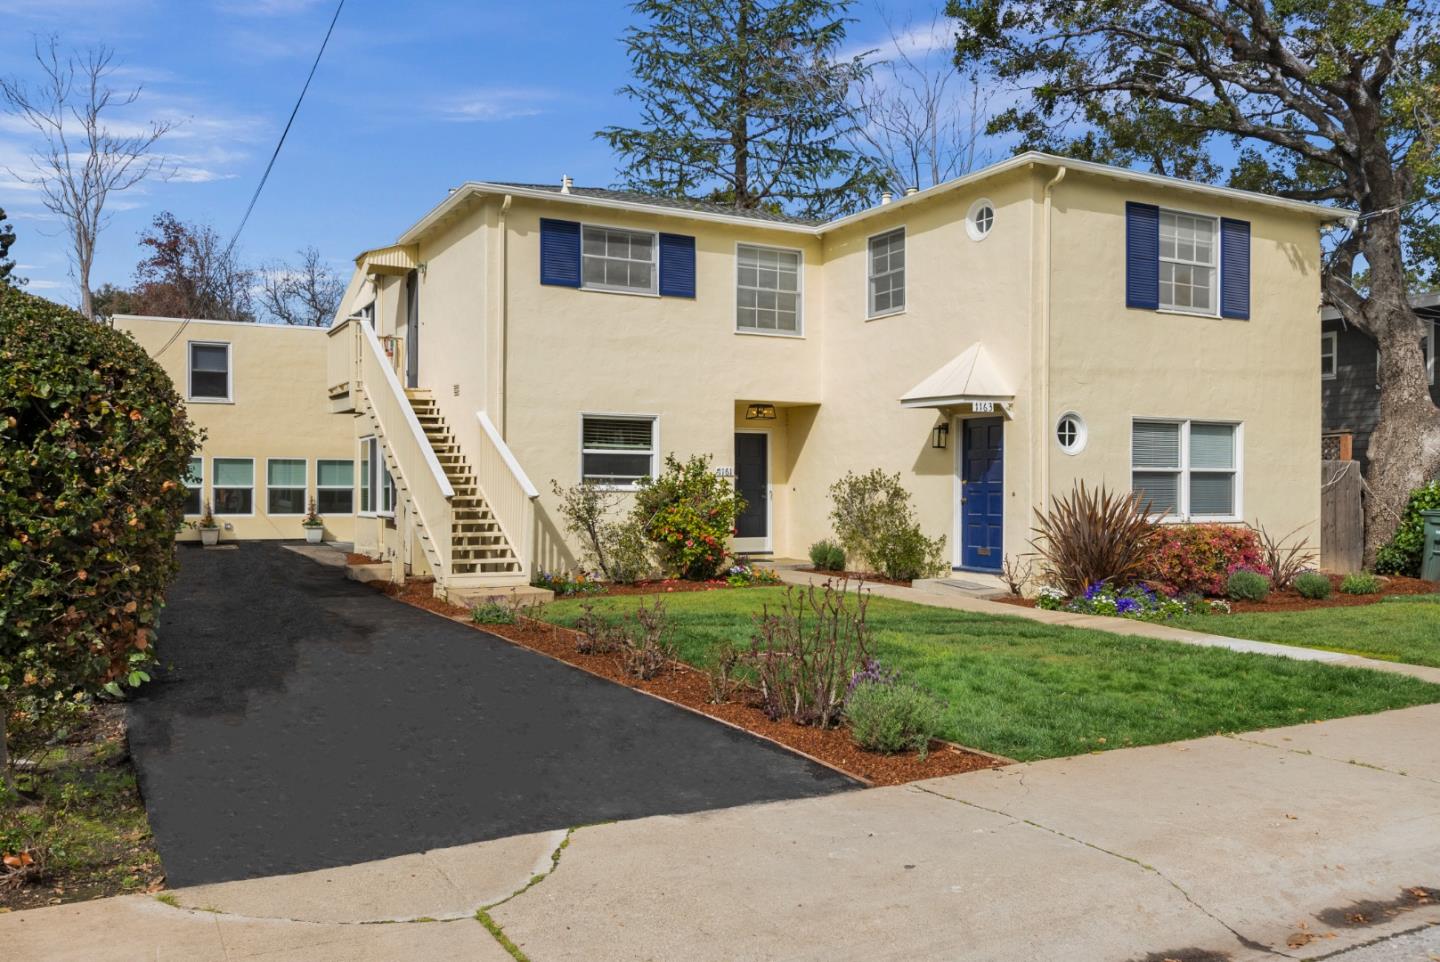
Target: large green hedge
94,444
1403,555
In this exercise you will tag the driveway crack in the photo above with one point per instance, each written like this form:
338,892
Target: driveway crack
1239,937
497,932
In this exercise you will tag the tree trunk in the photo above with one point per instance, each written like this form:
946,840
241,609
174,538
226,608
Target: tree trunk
1405,447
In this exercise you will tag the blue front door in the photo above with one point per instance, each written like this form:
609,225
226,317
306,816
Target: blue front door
982,493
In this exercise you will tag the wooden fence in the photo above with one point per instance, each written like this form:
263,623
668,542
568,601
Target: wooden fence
1342,520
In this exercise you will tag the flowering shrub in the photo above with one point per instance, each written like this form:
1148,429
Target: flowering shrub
688,513
1201,557
1050,598
744,575
873,673
565,584
1135,601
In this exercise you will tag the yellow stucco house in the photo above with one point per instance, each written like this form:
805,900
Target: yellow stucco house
272,445
992,339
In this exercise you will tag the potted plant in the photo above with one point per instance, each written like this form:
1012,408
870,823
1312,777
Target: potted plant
209,528
313,524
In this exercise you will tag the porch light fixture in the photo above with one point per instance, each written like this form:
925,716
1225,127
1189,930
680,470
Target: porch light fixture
940,437
760,412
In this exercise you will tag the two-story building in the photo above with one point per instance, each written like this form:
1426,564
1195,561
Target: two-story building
993,339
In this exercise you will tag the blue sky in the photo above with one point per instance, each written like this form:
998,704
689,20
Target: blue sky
412,98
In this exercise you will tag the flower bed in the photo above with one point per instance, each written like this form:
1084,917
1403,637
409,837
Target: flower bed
689,688
1287,600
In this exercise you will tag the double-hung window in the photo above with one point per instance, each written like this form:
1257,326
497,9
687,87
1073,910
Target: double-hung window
612,259
767,293
887,273
1187,470
194,486
617,451
285,486
1187,262
377,488
233,482
335,486
1329,355
209,371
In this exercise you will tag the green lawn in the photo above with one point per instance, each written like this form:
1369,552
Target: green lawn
1028,690
1403,629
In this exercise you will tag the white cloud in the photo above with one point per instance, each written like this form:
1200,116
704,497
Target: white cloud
268,8
917,41
493,103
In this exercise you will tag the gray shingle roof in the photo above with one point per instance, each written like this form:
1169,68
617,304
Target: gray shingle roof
668,203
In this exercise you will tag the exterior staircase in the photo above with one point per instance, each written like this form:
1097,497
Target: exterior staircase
478,545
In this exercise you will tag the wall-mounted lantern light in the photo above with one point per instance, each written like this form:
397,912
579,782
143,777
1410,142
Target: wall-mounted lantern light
940,437
760,412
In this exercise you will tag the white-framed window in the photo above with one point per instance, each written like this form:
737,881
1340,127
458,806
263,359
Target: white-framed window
1187,470
209,374
335,486
285,486
767,290
377,488
1071,433
979,219
886,256
232,480
195,486
617,450
1188,274
614,259
1329,355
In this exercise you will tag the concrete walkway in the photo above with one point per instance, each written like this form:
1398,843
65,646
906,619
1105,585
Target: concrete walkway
1289,843
938,597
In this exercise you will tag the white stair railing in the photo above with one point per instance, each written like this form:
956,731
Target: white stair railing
507,490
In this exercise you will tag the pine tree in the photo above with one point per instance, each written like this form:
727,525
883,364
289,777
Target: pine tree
743,102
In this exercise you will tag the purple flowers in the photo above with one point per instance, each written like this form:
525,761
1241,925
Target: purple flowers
872,674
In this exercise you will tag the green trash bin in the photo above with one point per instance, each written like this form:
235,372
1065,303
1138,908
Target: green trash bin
1430,559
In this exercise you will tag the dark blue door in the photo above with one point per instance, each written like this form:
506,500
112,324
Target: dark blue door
982,495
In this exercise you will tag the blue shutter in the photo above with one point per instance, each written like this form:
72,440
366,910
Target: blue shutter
1142,256
559,252
1235,268
677,265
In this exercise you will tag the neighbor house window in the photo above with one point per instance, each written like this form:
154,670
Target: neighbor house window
209,371
335,487
767,293
377,488
1187,262
1187,470
617,260
285,486
1329,355
194,486
887,273
233,483
617,451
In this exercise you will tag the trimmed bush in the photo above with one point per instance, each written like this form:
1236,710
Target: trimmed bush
1200,557
94,445
688,513
891,718
874,520
1247,585
827,556
1360,583
1402,555
1312,585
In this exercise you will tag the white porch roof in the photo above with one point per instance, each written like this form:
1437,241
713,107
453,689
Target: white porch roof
970,376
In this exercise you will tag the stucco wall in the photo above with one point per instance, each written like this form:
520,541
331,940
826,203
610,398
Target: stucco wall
279,409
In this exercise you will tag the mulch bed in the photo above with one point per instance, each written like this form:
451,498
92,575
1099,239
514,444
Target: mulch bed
690,688
1290,600
362,559
868,577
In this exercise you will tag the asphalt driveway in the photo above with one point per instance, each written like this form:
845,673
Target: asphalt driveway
303,721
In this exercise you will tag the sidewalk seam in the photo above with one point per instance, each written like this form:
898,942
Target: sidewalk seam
1243,737
496,930
1242,939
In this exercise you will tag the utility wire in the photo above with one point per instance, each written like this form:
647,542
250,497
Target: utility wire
298,101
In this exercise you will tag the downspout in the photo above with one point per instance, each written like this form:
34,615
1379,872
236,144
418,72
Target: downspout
1044,346
504,312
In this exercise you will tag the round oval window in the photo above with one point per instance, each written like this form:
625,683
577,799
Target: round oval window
980,219
1070,433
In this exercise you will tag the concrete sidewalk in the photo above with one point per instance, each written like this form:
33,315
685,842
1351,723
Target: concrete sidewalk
1294,843
939,597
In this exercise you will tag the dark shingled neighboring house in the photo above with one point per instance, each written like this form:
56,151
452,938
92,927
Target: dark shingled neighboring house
1349,393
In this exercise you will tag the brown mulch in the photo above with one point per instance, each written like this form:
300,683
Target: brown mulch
362,559
690,688
868,577
658,587
1290,600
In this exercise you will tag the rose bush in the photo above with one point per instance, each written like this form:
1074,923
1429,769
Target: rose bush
688,513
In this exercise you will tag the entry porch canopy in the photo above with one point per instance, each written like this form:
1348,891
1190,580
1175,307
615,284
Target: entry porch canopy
969,378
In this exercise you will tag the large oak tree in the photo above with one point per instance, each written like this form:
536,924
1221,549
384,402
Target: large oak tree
1321,100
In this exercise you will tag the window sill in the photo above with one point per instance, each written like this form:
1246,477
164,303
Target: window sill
1178,312
617,290
895,313
619,488
796,336
209,400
